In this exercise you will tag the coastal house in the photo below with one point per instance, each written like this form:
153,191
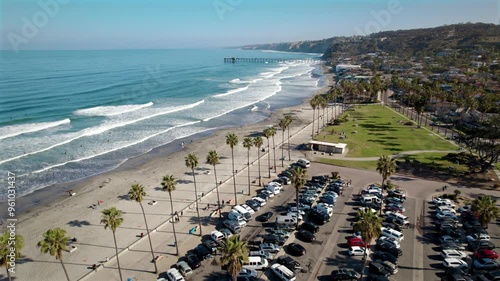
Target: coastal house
327,147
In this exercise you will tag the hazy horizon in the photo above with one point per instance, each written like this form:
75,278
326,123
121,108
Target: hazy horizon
155,24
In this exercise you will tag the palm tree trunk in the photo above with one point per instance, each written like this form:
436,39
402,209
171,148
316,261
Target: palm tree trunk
8,272
248,168
196,194
282,147
258,164
173,224
64,268
274,153
269,157
317,131
217,189
234,178
289,157
149,237
117,258
382,201
297,204
314,116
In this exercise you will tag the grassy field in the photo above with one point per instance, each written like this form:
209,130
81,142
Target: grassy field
436,161
373,130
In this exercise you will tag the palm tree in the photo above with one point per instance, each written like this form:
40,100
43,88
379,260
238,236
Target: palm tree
320,101
168,184
289,121
298,179
369,224
273,133
6,243
234,254
267,134
386,166
54,243
258,142
112,218
213,159
191,161
248,143
314,103
232,141
282,125
324,104
486,209
137,194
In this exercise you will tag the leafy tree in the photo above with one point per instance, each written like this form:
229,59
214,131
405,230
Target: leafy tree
298,179
232,141
112,219
191,161
137,194
234,253
369,224
168,184
258,142
485,207
213,159
267,134
6,243
248,144
54,242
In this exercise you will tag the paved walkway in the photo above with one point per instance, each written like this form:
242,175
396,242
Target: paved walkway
411,152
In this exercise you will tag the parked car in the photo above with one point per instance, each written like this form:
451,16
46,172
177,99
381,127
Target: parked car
485,264
453,262
245,272
447,238
306,236
272,248
193,261
452,246
202,252
265,216
318,217
355,242
453,254
253,204
259,200
389,266
217,236
378,269
389,240
486,253
309,226
289,263
296,249
357,251
345,274
482,244
274,239
384,256
389,248
477,236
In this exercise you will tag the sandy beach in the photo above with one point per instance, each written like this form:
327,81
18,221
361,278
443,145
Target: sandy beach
80,214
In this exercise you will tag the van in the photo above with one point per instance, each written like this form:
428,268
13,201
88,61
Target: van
286,220
283,272
256,263
235,216
304,163
392,233
273,187
232,225
174,275
246,215
397,215
184,268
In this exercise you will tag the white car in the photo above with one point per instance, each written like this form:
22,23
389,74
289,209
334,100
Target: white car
442,215
445,209
357,251
226,232
249,210
268,247
474,237
324,209
455,263
437,200
295,215
390,240
465,208
269,193
294,210
217,236
261,201
453,254
374,187
365,209
446,202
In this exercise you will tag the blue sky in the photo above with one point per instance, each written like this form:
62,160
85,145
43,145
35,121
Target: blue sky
133,24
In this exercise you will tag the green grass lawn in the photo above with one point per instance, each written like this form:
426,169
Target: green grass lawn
378,132
366,165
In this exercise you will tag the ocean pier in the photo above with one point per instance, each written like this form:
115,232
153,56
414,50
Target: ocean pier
269,60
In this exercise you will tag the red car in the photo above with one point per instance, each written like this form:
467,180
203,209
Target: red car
485,253
355,242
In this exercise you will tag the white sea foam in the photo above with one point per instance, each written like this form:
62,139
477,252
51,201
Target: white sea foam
15,130
111,110
254,108
116,148
106,127
230,92
238,81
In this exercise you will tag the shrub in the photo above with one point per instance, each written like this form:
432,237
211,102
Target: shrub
409,123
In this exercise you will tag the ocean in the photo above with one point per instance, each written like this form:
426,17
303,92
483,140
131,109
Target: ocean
67,115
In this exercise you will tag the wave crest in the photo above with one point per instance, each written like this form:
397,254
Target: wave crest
111,110
15,130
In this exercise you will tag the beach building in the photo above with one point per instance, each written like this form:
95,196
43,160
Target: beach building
327,147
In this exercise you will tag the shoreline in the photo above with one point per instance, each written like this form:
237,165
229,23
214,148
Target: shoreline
53,194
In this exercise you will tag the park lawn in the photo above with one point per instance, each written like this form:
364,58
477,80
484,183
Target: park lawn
437,161
366,165
374,130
